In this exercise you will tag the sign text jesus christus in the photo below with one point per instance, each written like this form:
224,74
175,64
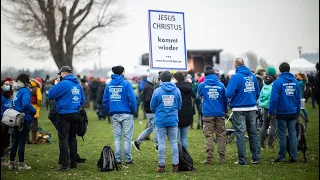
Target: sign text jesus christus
167,40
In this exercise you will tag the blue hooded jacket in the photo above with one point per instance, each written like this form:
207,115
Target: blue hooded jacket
166,102
285,95
6,103
119,97
22,101
243,88
215,101
68,95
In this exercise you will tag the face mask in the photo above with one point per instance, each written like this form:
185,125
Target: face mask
6,88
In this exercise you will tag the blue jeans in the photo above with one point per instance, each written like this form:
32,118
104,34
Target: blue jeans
173,134
182,136
149,130
243,120
282,128
19,139
122,123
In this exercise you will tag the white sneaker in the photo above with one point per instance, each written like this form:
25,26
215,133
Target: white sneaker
23,166
11,165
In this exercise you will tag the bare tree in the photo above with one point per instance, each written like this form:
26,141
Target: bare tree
63,29
263,63
252,59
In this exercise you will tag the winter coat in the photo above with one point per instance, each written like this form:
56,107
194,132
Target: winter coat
86,91
100,92
6,102
265,94
315,89
187,109
94,90
36,96
147,91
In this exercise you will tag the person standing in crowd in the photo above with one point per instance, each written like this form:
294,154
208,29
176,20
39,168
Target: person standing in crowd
215,105
285,107
243,90
22,104
101,112
187,110
261,73
86,90
69,97
146,99
264,101
315,88
36,101
197,99
6,103
119,101
93,92
165,103
301,78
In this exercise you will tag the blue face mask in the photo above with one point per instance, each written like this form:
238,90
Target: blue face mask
6,88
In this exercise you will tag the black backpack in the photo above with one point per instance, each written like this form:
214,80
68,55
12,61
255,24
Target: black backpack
302,143
107,161
82,123
185,160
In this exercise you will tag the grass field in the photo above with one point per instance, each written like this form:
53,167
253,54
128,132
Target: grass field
44,158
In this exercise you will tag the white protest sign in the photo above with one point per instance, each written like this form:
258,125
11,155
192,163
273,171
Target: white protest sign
167,40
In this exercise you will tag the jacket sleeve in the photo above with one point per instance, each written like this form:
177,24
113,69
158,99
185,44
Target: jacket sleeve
132,98
274,98
153,103
105,100
55,91
298,99
26,103
179,99
199,91
83,97
232,86
39,96
147,94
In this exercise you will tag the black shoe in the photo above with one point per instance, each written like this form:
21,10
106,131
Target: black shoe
279,160
118,163
73,165
131,162
293,160
62,168
156,148
80,160
136,145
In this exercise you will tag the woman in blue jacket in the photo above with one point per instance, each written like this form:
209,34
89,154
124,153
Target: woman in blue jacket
22,103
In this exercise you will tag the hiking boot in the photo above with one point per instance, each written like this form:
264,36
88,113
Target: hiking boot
293,160
11,165
161,169
207,162
136,145
130,162
23,166
175,167
63,168
255,162
279,160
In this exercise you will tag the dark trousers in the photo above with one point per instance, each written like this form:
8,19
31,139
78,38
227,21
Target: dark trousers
19,142
67,129
5,138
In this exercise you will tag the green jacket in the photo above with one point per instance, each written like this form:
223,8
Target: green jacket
302,84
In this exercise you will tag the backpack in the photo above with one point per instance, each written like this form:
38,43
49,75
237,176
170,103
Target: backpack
82,123
302,143
13,118
185,160
107,161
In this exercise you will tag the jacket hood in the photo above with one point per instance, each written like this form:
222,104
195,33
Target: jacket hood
185,87
117,79
243,70
35,83
17,85
211,79
168,86
287,76
269,79
71,78
152,78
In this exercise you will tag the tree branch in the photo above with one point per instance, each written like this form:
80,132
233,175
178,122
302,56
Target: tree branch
63,11
86,9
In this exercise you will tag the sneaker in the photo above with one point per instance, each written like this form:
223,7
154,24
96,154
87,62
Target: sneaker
11,165
63,168
207,162
161,169
23,166
156,148
293,160
255,162
237,162
118,163
279,160
130,162
136,145
175,167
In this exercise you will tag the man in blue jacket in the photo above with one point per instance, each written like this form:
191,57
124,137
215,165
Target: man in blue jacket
214,107
166,103
243,90
69,97
285,103
119,101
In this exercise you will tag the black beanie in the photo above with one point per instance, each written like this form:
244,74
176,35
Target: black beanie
117,70
284,67
208,70
165,76
179,76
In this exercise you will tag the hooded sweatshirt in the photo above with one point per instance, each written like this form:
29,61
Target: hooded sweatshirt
148,91
68,95
36,96
22,101
243,89
264,98
285,97
213,92
119,97
165,103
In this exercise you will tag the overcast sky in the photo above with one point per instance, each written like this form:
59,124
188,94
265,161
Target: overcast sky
273,29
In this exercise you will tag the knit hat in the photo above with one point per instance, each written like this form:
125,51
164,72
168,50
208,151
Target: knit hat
284,67
117,70
272,71
165,76
39,80
179,76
